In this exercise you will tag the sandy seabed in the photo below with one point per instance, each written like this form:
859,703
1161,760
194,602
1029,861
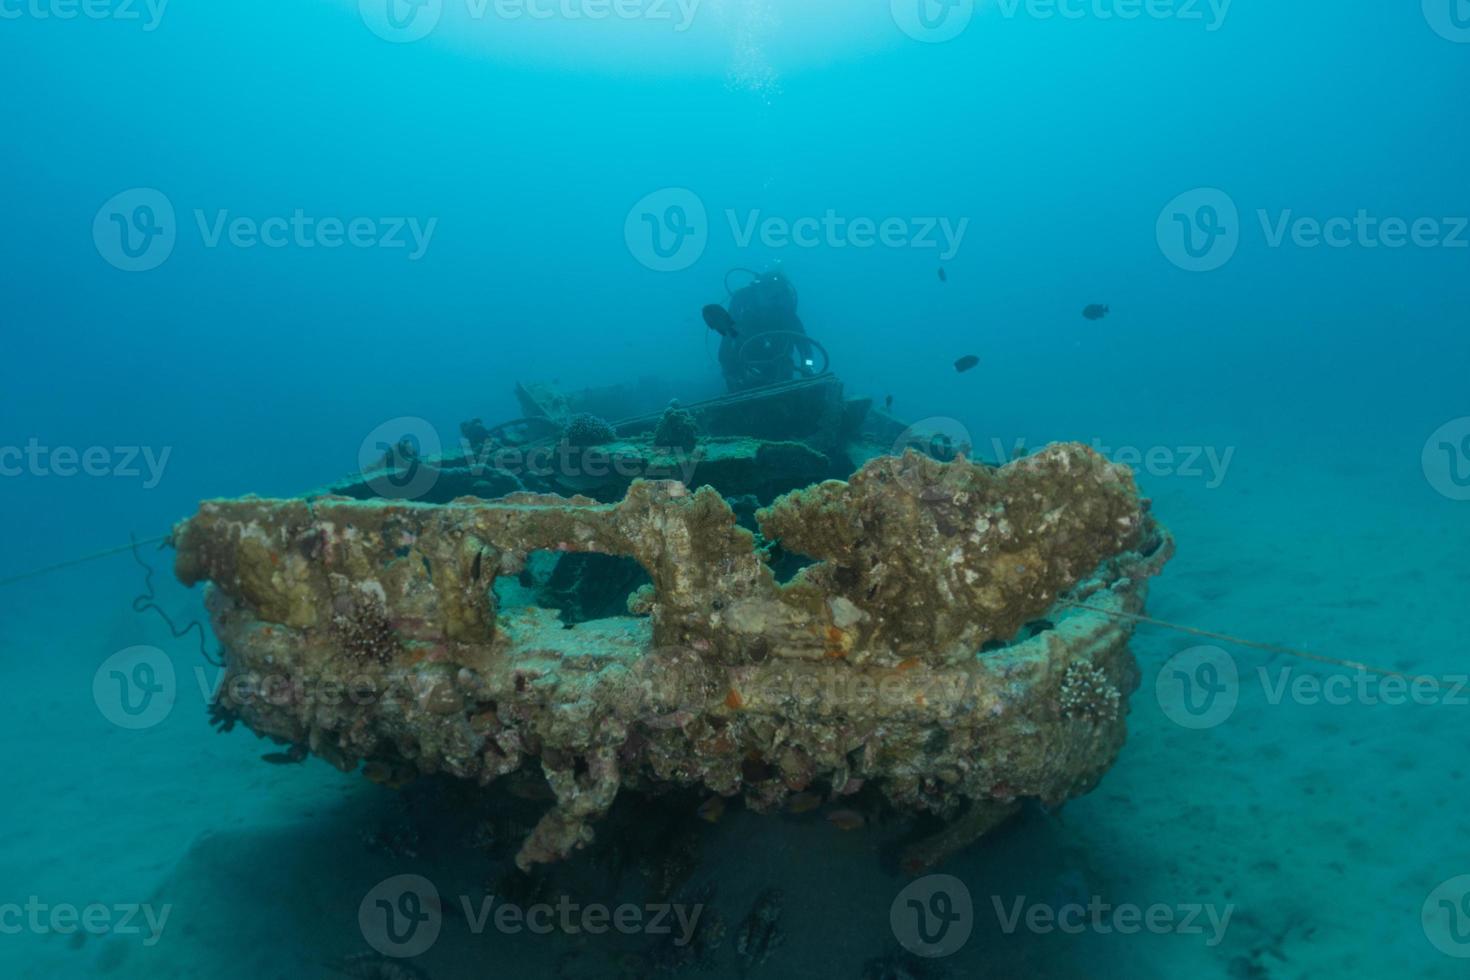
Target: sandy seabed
1297,836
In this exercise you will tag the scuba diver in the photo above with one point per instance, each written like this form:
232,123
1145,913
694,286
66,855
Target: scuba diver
762,341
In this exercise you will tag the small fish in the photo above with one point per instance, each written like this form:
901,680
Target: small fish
711,810
943,276
385,775
1096,311
297,753
761,933
846,819
370,966
888,403
803,802
718,319
966,363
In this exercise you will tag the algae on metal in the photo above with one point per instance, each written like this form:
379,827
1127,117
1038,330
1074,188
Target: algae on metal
898,660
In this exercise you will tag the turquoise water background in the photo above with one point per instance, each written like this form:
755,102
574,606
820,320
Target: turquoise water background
1271,199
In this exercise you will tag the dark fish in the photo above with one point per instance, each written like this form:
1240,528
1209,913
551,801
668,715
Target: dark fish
718,319
966,363
888,403
297,753
370,966
943,276
1096,311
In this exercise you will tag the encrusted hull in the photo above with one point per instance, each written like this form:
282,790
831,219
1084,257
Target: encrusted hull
369,632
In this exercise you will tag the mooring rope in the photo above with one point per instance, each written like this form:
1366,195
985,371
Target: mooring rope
1116,613
147,601
48,569
1242,642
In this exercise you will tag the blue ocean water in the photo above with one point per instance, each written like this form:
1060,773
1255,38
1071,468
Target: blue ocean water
241,237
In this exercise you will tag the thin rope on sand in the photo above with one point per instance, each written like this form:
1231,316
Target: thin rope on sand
1242,642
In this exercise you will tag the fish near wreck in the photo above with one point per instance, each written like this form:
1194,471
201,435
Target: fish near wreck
899,660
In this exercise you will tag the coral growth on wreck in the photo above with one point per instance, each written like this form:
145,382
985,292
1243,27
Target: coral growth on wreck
588,430
361,629
1087,693
676,429
896,661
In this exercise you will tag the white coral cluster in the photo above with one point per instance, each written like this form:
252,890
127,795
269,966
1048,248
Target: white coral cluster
1086,693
